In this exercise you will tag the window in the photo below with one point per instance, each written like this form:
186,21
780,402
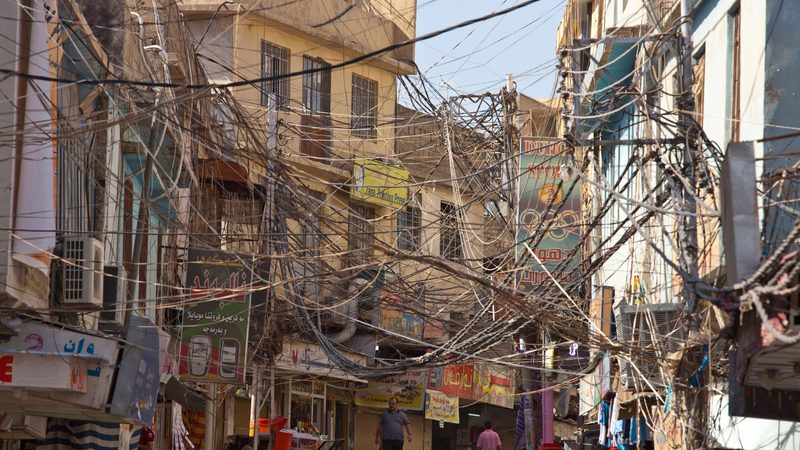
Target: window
736,113
449,236
316,86
361,233
409,220
364,105
275,63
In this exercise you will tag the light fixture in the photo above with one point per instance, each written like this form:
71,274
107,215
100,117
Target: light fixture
473,414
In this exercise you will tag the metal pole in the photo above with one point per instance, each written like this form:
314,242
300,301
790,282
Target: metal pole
527,386
254,410
211,417
695,403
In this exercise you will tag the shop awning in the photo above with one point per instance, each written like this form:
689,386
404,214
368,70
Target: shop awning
176,391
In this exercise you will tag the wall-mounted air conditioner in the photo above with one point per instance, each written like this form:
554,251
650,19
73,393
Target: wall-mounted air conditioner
82,284
653,334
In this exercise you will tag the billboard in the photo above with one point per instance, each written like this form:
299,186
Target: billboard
379,183
542,189
216,321
484,382
408,387
440,406
139,374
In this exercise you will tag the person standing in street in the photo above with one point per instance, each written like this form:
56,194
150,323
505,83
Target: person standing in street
390,427
489,439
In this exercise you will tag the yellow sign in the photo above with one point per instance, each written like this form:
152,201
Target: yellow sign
379,183
407,387
441,407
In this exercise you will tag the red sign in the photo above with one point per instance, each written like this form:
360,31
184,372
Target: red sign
458,380
5,368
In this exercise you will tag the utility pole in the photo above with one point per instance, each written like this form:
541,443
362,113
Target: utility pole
269,212
695,403
527,400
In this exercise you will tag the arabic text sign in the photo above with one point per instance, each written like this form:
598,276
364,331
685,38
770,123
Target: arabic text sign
303,357
379,183
215,326
47,372
542,190
440,406
100,354
408,387
488,383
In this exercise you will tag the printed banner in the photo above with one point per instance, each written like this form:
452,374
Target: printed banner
487,383
408,387
139,374
494,385
215,325
441,407
395,318
304,357
542,190
379,183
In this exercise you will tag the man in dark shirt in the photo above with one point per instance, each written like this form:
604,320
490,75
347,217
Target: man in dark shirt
390,427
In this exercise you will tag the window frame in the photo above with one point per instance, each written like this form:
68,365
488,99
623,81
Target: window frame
364,107
450,242
273,53
409,227
361,233
316,87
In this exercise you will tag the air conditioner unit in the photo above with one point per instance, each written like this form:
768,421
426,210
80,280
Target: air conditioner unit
653,331
82,284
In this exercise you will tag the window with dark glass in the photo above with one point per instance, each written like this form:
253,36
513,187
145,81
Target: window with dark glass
364,105
449,235
275,63
316,86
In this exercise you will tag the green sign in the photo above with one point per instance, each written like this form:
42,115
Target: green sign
215,322
542,191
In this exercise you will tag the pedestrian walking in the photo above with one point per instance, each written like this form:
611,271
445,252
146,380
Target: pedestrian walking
390,427
489,439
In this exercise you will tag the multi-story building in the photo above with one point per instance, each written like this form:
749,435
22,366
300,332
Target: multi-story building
636,104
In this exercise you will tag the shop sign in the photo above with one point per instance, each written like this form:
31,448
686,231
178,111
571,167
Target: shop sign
380,183
307,358
494,384
458,380
397,320
440,406
139,374
408,387
484,382
47,372
215,326
542,190
99,353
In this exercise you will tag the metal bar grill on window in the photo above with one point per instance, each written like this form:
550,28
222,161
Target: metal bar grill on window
275,63
364,107
449,236
361,233
408,228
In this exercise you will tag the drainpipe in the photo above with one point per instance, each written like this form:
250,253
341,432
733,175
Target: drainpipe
350,312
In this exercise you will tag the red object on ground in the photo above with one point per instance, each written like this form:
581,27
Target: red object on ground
551,447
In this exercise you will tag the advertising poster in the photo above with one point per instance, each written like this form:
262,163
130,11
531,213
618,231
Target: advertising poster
307,358
395,318
441,407
379,183
139,375
494,385
216,320
542,190
408,387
